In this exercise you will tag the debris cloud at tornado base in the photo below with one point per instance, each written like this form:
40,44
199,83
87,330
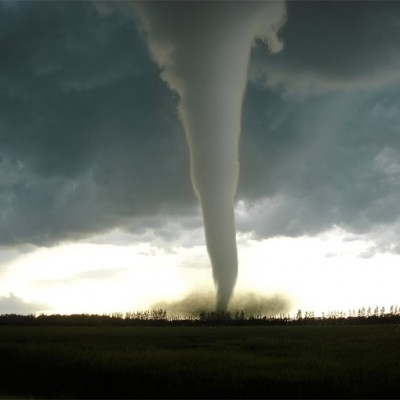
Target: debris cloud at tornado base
203,50
250,303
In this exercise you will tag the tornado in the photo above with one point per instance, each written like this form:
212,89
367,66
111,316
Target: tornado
203,51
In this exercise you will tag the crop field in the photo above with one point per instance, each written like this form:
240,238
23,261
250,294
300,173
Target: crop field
200,362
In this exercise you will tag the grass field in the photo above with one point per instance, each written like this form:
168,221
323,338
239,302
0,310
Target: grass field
201,362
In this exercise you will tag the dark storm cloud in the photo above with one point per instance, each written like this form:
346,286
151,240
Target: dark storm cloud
88,130
333,45
321,122
90,139
328,160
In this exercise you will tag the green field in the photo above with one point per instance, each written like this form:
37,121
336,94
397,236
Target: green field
201,362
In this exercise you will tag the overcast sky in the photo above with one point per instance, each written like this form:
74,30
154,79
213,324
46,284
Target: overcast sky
92,149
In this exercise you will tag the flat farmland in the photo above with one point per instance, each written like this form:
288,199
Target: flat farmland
360,361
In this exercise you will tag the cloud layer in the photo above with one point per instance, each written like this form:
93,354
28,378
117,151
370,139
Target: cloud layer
91,140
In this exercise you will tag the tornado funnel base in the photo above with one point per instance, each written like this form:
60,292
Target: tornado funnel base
223,298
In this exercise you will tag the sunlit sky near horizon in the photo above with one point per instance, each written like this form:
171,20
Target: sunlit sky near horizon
331,271
97,211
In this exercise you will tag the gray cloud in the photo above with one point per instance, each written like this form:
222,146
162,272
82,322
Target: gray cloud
89,133
90,139
331,159
12,304
339,46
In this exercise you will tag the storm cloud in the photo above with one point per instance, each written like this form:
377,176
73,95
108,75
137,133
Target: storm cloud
90,138
89,134
334,46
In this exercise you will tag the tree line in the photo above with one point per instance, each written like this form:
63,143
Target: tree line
160,317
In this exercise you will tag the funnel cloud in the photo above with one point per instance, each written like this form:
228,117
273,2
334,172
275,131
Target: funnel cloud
203,50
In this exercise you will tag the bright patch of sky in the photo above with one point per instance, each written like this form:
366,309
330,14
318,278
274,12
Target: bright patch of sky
332,271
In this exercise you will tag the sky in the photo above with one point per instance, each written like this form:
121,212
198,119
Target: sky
97,209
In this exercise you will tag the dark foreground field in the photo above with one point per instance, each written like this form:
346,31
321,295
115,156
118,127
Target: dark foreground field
201,362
